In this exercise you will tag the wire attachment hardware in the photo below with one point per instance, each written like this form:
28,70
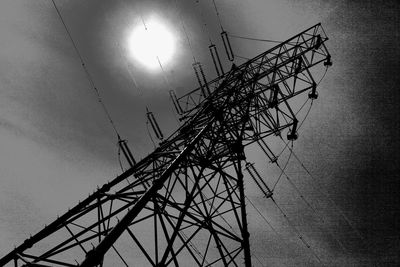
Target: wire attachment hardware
227,45
258,180
154,125
175,102
123,145
216,60
198,70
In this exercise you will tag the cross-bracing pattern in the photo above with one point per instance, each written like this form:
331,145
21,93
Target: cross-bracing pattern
184,204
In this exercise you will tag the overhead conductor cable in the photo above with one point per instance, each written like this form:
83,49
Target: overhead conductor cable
122,145
268,194
89,77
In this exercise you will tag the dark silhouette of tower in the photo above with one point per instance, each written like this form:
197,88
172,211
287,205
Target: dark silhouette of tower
184,204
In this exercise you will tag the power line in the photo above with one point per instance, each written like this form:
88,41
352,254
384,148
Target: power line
185,32
322,190
204,23
282,169
253,39
89,77
219,18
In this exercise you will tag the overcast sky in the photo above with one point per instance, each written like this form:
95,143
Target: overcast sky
56,144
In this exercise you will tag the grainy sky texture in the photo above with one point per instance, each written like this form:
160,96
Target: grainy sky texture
56,144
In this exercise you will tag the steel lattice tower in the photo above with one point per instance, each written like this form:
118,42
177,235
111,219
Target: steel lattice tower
184,204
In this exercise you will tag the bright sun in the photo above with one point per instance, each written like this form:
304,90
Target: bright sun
146,45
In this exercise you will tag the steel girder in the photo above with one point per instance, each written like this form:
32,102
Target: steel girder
184,204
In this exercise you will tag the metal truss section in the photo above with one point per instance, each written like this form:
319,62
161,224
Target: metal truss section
289,60
184,204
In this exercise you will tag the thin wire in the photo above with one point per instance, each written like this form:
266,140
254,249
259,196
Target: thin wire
305,117
305,102
323,76
169,85
119,159
296,231
264,218
290,224
148,132
184,30
206,30
242,57
298,191
286,144
124,58
303,198
282,169
253,39
89,77
219,18
313,209
326,193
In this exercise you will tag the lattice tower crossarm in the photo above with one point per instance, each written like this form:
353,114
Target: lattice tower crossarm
184,204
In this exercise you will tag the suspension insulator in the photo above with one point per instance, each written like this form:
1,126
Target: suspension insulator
318,42
292,135
328,61
258,180
274,95
123,144
313,94
204,79
227,45
154,125
216,60
198,77
175,102
267,151
298,65
198,70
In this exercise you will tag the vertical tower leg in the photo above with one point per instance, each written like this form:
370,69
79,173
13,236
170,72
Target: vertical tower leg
245,232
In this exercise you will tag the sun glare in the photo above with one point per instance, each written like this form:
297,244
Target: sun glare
146,45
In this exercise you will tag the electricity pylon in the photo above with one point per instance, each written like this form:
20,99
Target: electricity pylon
184,204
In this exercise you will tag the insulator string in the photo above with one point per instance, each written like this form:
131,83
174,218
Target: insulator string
149,134
166,80
168,84
89,77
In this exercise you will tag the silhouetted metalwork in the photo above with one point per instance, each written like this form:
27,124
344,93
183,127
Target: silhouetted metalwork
184,204
216,60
